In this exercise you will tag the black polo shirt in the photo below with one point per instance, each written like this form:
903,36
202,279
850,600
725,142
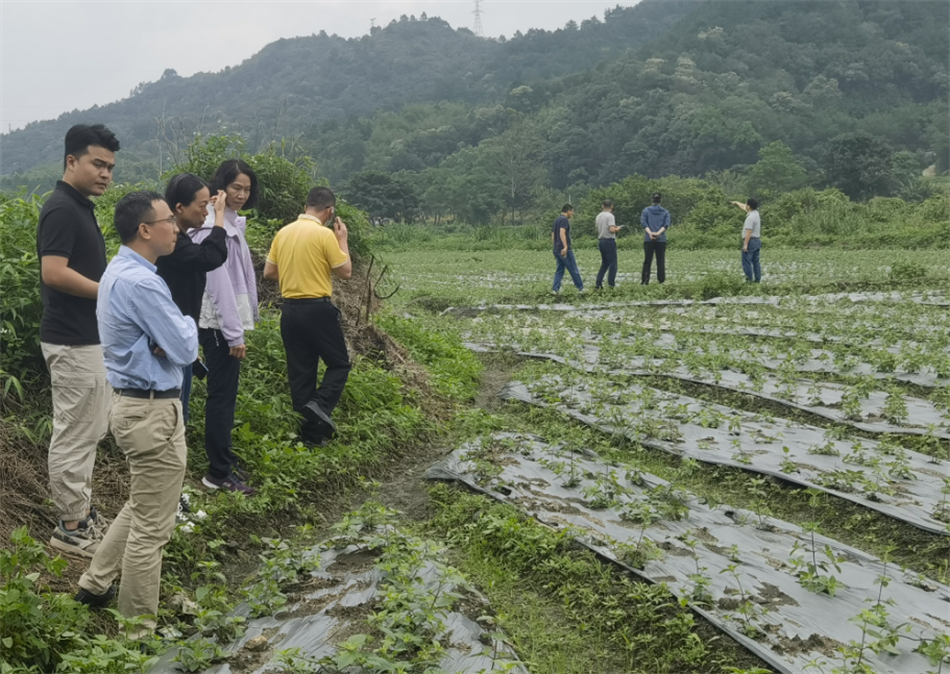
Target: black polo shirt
68,228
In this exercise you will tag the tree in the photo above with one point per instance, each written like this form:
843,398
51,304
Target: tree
776,171
382,195
516,157
860,165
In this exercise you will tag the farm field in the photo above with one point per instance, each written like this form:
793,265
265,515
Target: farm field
774,457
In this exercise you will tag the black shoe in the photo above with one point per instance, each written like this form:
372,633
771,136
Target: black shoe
96,601
313,413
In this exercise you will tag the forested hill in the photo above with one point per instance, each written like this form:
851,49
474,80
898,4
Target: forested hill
293,84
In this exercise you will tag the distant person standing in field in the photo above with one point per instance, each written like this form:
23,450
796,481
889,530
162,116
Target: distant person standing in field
655,220
146,341
751,240
186,268
563,253
72,254
607,242
228,311
303,259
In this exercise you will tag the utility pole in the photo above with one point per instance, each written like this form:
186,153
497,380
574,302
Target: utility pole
372,24
478,18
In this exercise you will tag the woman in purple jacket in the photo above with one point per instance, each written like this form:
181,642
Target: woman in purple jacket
228,310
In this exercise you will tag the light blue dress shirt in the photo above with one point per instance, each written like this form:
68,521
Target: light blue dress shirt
136,313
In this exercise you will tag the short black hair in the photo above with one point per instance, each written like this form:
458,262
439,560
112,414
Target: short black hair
228,172
566,207
657,197
132,210
608,203
320,198
182,189
752,203
81,136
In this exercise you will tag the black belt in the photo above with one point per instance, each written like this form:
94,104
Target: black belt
307,300
149,395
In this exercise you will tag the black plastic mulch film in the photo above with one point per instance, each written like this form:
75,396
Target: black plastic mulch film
790,625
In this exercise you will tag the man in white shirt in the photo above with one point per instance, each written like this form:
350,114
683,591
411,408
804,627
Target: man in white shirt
607,242
751,240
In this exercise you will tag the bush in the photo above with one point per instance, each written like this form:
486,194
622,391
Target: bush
42,631
20,305
284,183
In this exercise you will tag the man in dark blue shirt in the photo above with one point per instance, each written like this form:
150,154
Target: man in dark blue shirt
146,341
563,253
655,220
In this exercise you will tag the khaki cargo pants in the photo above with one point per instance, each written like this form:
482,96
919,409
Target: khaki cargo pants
80,420
152,436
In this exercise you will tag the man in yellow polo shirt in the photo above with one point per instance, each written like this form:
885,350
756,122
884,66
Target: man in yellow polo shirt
302,259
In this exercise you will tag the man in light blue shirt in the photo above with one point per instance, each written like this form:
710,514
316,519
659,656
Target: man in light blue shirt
145,342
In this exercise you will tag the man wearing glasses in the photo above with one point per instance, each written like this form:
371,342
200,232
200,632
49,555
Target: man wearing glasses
302,259
146,341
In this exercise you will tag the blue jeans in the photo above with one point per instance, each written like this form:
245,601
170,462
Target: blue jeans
608,262
185,392
750,261
570,264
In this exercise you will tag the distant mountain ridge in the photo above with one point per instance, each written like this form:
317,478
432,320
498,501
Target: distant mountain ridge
292,85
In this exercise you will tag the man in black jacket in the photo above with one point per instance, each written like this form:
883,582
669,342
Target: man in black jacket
185,270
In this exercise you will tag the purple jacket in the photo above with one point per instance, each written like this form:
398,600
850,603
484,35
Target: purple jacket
230,299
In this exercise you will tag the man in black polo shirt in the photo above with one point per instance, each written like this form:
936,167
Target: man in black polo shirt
72,256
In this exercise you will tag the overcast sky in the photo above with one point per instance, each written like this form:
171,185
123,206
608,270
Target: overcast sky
72,54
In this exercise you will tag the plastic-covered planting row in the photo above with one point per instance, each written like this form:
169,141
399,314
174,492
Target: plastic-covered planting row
928,299
819,361
874,411
332,613
790,597
883,476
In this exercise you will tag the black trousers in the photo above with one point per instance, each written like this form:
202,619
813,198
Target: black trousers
223,373
649,248
608,262
312,332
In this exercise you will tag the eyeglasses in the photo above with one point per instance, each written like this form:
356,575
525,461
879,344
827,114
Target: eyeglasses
170,220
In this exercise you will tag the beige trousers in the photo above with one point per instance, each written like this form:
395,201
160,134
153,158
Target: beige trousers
152,435
80,420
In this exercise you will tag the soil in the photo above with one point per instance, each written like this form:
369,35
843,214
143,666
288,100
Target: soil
353,562
771,595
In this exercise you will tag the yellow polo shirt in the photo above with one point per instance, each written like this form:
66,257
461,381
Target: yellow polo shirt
305,252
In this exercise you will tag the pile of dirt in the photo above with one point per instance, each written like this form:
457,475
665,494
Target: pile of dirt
358,299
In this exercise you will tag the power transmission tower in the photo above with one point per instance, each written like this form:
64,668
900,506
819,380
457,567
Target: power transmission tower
478,18
372,24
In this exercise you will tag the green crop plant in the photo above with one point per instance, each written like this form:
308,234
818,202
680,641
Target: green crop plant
815,575
937,650
747,611
895,406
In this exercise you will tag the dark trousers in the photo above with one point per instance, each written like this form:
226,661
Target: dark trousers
750,261
569,264
223,373
608,262
649,249
312,332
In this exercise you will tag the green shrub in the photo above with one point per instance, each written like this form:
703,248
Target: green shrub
20,305
44,631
